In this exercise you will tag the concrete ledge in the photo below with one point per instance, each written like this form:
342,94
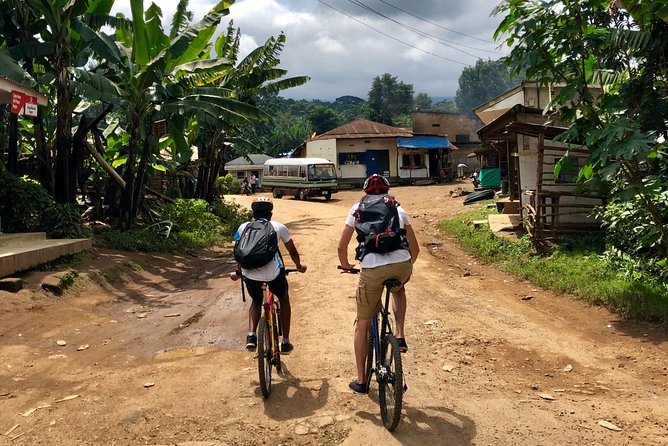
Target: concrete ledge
20,238
27,254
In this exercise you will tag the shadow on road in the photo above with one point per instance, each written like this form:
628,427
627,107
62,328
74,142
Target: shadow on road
292,397
430,425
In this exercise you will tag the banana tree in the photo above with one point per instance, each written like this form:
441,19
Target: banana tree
256,74
161,78
43,45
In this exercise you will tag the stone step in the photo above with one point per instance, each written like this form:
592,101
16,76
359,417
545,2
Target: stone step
27,254
19,238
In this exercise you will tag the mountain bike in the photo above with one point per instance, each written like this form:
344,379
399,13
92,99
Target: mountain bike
269,333
383,361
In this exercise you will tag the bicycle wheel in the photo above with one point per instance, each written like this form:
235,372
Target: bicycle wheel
390,383
264,356
369,357
277,343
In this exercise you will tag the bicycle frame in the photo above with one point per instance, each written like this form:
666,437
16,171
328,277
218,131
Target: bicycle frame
272,311
385,328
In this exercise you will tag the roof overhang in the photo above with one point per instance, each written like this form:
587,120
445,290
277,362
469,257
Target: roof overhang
425,142
519,120
8,85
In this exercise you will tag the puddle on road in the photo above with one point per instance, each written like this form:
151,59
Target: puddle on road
178,353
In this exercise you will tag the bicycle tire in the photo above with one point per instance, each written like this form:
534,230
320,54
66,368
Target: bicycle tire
369,357
264,355
277,344
391,386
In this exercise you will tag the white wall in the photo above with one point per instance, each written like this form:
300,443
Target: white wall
325,148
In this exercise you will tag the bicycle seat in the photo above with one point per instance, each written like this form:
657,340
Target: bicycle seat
392,283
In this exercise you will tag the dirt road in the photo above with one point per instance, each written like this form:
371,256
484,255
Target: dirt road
154,353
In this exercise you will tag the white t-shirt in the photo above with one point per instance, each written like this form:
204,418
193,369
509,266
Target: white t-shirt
268,272
375,259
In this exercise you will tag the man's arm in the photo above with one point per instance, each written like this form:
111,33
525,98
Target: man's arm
294,255
346,235
412,243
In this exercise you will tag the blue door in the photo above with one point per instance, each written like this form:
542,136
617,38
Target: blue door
371,162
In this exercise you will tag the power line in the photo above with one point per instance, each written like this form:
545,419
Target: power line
426,35
392,37
433,23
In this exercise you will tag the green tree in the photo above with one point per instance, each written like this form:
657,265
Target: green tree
423,101
481,82
350,107
389,98
585,44
446,105
324,118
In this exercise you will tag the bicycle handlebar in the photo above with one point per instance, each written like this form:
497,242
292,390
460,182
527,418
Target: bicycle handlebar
349,270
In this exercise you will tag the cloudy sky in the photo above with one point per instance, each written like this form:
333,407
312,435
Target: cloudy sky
343,44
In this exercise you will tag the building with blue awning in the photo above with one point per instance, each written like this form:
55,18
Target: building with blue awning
417,155
423,156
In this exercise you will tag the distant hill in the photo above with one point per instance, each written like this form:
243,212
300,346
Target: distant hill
437,99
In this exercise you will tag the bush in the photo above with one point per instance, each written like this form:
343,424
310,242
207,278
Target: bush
64,221
231,215
228,185
23,204
26,207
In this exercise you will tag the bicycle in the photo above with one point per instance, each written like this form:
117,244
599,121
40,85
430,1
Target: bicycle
268,333
384,361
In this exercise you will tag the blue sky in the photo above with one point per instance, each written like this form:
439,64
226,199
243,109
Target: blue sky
343,44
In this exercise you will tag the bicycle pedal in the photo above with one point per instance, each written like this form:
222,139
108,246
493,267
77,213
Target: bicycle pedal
405,387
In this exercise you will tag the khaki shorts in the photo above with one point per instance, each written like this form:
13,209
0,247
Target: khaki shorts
370,288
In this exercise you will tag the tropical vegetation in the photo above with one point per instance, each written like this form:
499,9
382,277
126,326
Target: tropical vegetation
611,60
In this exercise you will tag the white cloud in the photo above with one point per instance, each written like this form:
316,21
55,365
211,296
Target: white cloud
342,55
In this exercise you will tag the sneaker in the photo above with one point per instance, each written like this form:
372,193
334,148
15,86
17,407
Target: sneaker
251,342
403,347
286,347
358,388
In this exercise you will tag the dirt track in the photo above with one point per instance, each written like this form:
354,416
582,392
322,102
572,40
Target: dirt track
489,371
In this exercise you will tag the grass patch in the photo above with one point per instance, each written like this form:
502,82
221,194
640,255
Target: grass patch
575,266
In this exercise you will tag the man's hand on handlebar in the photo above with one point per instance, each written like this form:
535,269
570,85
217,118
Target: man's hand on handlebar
348,269
301,268
235,276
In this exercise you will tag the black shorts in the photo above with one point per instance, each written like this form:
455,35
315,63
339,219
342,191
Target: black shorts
278,286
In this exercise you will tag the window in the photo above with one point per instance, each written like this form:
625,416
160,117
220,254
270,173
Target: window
570,167
436,125
411,159
293,171
462,138
351,158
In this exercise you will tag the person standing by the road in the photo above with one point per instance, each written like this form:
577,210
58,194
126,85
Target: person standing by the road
252,180
375,269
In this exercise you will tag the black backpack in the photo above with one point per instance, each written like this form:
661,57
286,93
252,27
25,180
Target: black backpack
378,226
257,245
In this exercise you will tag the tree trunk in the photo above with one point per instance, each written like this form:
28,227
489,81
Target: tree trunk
43,154
129,174
64,187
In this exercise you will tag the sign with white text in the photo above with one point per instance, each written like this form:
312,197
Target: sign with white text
23,104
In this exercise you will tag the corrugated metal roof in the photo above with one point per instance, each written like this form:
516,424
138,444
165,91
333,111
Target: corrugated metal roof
363,128
255,159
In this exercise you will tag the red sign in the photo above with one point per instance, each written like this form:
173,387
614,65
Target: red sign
24,104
